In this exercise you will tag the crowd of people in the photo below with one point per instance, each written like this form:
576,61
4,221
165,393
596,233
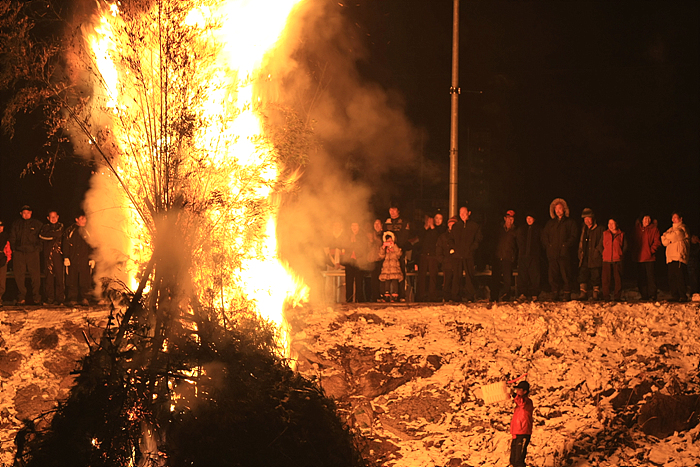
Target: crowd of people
67,261
584,263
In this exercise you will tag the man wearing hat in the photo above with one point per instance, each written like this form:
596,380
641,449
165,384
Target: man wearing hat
5,256
590,258
521,424
26,249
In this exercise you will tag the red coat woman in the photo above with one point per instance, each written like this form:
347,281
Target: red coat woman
614,247
647,241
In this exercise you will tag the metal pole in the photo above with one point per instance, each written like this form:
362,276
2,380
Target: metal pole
454,92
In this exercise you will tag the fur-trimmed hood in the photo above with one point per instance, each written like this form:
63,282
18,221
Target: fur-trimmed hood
554,203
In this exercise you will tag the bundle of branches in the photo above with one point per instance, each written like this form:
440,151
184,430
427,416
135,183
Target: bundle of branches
211,396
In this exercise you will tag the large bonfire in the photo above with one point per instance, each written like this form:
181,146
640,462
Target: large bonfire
178,98
192,368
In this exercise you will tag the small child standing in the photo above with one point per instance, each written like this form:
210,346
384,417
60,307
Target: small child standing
391,273
521,424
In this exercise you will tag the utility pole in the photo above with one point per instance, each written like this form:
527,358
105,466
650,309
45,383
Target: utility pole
454,92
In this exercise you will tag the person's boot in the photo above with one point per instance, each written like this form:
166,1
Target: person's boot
566,297
583,293
596,292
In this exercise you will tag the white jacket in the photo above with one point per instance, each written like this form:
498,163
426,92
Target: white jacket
675,240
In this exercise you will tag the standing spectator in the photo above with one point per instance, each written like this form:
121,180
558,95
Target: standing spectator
391,273
76,259
646,241
505,257
693,266
5,257
521,424
613,248
675,240
402,239
52,235
559,239
428,261
26,247
529,253
467,237
334,247
375,262
355,254
445,250
590,259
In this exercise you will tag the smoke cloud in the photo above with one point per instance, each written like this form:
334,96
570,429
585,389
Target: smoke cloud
363,135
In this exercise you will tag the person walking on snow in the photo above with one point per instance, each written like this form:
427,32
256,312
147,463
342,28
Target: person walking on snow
521,424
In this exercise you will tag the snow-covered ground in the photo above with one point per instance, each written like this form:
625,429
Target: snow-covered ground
409,377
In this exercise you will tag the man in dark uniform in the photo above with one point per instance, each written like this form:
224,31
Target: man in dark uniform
76,258
26,248
52,235
467,235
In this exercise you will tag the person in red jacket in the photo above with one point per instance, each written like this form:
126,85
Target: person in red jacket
521,424
646,241
614,246
5,257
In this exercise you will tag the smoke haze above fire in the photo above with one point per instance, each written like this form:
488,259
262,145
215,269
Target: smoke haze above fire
364,137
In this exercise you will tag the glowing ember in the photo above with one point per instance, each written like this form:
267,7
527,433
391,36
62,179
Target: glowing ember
180,90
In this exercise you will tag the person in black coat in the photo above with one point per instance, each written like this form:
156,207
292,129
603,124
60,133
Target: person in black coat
445,250
26,249
467,237
428,261
77,261
505,258
559,240
529,253
51,236
590,257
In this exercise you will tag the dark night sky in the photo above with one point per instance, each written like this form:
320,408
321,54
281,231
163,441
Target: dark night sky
596,102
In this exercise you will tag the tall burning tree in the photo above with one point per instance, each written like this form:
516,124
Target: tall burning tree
178,108
192,372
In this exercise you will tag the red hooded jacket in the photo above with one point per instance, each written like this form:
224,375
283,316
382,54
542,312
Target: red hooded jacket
521,424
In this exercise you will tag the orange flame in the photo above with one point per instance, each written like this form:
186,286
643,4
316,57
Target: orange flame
226,167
